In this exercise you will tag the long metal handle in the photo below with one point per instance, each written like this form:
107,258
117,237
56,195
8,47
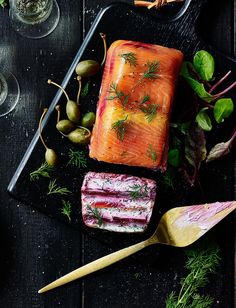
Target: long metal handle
97,265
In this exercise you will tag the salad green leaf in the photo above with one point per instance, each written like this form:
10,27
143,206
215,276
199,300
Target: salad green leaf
174,157
204,64
223,109
203,119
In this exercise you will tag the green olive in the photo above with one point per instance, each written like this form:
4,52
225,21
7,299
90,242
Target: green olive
88,119
51,157
80,136
87,68
72,111
65,126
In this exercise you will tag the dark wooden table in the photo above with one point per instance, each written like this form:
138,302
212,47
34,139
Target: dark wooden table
35,249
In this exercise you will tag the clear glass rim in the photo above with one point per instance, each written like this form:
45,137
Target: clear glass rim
14,7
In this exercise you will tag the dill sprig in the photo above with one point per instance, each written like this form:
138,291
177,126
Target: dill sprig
120,128
138,191
151,153
77,159
116,94
200,263
43,171
66,209
85,89
152,69
97,214
149,110
130,58
149,73
3,3
53,188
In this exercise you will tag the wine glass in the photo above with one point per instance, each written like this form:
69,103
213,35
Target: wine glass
34,18
9,92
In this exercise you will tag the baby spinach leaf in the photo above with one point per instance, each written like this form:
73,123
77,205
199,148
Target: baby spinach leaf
203,120
222,109
174,157
197,86
204,64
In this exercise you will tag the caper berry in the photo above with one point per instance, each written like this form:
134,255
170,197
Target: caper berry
72,111
51,157
79,136
87,68
65,126
88,119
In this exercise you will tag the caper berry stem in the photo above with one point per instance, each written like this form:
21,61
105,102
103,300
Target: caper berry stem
57,85
85,129
103,36
40,127
58,112
79,90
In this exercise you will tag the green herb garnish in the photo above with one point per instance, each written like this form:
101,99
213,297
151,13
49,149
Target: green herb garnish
116,94
152,69
150,111
53,188
129,58
3,3
43,171
97,214
138,191
151,153
85,89
66,209
77,159
200,263
120,127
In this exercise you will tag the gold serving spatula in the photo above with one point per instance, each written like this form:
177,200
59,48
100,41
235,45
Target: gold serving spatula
178,227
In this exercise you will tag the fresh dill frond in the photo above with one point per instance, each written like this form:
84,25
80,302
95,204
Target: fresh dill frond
3,3
130,58
120,128
138,191
116,94
53,188
200,263
97,214
43,171
150,110
145,99
85,89
66,209
152,69
151,153
77,159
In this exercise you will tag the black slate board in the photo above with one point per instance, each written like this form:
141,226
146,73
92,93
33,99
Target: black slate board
121,21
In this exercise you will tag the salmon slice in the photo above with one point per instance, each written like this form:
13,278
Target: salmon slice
117,202
134,106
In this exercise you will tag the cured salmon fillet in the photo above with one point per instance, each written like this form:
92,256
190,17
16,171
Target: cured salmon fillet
117,202
134,106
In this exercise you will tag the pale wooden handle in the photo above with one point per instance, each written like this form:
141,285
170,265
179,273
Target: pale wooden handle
96,265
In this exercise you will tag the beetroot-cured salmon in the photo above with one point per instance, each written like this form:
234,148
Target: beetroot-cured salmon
117,202
134,106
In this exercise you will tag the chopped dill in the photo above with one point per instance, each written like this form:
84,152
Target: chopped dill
151,153
66,209
97,214
130,58
120,128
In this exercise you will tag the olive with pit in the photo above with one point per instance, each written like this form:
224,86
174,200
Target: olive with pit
65,126
88,119
80,136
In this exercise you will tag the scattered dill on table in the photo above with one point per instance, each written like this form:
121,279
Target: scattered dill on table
77,158
43,171
66,209
53,188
